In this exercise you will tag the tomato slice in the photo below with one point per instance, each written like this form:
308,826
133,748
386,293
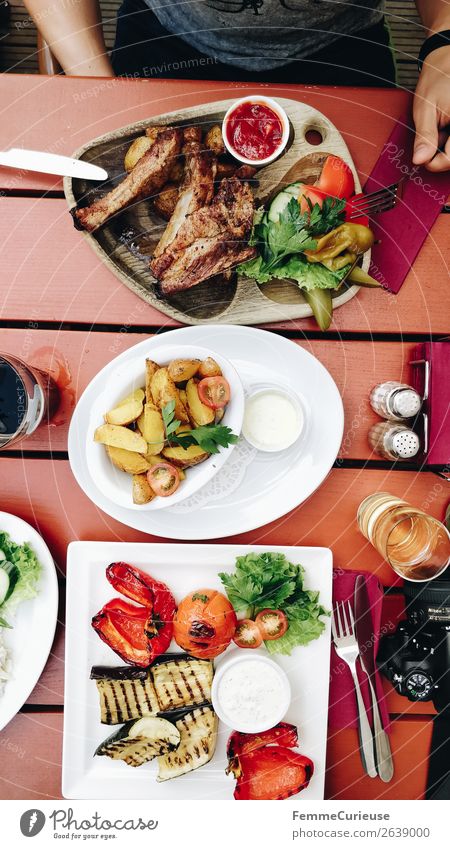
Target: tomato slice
336,178
272,623
214,392
247,635
311,193
164,479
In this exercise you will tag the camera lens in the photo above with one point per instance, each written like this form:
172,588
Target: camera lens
429,602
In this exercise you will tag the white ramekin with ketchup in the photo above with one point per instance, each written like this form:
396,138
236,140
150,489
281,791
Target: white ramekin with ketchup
255,130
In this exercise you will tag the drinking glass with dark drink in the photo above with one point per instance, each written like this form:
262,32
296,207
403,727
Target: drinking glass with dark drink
28,396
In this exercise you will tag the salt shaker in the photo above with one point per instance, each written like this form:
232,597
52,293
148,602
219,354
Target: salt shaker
394,441
395,401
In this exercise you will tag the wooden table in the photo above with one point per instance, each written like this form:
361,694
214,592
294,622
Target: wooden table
63,310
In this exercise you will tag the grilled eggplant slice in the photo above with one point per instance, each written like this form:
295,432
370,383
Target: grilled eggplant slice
136,743
198,730
124,695
182,683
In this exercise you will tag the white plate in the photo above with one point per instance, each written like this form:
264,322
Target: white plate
30,640
253,488
117,380
183,568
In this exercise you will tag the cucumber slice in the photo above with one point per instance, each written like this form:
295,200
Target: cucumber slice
9,575
293,189
278,204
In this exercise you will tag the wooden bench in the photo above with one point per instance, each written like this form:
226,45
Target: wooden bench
19,55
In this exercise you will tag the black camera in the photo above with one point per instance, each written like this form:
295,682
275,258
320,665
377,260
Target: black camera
416,659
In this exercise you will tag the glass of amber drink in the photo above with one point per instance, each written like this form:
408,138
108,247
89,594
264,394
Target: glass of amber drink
416,545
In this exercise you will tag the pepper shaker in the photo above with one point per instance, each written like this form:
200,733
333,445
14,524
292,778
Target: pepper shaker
395,401
394,441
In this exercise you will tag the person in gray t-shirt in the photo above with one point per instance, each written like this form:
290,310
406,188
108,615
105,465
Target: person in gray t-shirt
323,42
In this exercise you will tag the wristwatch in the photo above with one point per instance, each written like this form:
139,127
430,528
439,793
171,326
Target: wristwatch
439,39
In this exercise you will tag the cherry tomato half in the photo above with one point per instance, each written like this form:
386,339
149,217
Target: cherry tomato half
336,178
164,479
271,623
214,392
247,635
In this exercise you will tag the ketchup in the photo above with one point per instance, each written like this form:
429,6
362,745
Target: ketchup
254,130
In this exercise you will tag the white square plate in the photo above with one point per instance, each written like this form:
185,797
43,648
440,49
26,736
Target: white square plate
183,568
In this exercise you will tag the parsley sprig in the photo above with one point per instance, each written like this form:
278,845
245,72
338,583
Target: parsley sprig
295,231
211,437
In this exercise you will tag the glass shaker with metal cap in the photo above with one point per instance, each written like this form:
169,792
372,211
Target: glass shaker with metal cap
394,441
395,401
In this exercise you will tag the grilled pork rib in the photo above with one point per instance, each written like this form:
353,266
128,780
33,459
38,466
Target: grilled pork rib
208,241
197,191
147,177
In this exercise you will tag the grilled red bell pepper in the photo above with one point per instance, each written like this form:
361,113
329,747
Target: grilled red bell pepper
239,743
123,626
273,772
137,634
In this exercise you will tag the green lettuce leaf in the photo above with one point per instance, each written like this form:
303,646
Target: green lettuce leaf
29,568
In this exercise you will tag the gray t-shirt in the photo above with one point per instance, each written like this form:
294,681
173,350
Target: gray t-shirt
262,34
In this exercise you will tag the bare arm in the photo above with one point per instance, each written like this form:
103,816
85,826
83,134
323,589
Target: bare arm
432,96
74,34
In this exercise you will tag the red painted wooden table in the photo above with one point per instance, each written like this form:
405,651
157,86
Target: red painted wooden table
63,310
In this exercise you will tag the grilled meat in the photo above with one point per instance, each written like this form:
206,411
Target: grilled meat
208,241
197,191
147,177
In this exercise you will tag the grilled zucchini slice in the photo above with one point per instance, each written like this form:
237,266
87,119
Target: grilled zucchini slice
136,743
182,683
124,694
198,730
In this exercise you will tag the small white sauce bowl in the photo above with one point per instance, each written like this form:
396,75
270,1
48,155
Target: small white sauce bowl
281,114
251,725
281,445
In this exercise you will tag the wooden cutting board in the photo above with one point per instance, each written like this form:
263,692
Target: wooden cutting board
126,242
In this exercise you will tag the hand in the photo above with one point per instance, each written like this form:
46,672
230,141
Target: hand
431,111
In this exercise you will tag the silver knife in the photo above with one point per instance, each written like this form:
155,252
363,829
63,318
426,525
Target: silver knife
364,636
51,163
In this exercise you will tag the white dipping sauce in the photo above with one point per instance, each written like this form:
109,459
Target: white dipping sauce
272,420
252,695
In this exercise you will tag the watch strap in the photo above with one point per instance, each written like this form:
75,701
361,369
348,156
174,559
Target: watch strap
439,39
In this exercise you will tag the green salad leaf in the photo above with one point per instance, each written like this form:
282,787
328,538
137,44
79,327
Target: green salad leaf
269,580
280,242
24,558
308,275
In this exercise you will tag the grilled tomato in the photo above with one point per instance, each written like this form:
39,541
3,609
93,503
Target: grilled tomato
204,623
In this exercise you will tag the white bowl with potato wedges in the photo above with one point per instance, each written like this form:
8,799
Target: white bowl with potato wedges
162,425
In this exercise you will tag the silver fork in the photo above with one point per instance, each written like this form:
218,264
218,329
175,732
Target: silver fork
343,629
380,201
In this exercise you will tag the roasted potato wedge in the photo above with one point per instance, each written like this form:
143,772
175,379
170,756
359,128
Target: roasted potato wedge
165,203
200,413
151,426
120,437
182,370
185,457
164,390
209,368
142,491
137,149
154,459
127,461
125,413
214,140
150,368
